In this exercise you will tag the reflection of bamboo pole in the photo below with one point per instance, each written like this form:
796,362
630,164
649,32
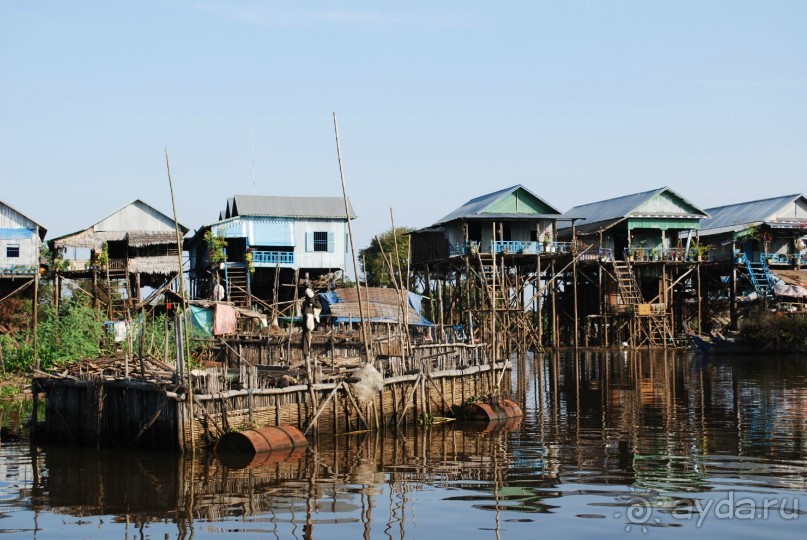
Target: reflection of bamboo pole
364,331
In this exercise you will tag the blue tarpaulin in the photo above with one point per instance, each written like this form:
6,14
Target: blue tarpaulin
202,320
16,234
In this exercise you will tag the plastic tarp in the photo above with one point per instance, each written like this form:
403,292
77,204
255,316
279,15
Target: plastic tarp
202,320
16,234
259,232
224,320
790,283
792,291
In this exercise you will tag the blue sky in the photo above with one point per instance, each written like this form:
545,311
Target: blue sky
438,102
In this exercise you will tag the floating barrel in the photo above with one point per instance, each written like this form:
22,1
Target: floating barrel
238,449
491,412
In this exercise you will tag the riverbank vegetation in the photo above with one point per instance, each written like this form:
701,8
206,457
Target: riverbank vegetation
775,332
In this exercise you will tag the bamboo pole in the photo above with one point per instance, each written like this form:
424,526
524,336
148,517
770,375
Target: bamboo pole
404,299
574,286
182,297
493,300
364,331
35,308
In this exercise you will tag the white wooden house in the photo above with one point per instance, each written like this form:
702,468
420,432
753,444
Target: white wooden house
20,239
264,233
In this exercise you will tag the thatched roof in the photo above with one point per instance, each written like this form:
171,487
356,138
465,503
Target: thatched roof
150,238
380,305
161,264
94,240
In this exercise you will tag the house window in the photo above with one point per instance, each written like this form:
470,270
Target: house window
320,241
12,250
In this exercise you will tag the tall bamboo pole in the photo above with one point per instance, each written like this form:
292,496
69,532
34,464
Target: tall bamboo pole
183,301
493,299
574,287
364,331
401,285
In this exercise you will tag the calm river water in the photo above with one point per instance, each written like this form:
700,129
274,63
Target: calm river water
611,445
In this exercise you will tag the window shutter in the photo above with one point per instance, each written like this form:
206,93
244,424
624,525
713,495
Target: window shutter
330,242
309,241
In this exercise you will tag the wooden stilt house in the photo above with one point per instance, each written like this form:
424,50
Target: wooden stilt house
260,243
132,248
641,226
771,229
513,220
20,239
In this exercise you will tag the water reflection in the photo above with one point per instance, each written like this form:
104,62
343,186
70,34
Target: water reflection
599,431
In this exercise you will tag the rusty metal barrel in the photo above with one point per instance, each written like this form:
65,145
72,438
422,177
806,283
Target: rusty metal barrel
239,449
502,409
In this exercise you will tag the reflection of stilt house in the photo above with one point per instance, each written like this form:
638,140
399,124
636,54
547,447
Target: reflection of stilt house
20,239
651,239
133,248
269,239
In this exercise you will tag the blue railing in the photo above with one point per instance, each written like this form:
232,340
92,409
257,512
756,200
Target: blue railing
599,254
272,258
510,247
17,270
527,247
784,259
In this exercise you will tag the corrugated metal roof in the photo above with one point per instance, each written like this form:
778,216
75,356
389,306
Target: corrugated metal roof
63,240
739,216
42,230
476,206
615,209
301,207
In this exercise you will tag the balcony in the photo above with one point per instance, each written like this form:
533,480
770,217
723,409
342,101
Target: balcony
272,258
784,260
510,247
528,247
677,254
17,270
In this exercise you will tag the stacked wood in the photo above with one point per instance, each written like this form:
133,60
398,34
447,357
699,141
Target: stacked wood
114,367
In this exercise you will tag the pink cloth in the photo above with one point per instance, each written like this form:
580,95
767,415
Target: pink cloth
224,320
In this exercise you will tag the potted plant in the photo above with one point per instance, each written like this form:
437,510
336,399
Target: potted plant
473,247
700,251
248,259
547,241
738,256
216,245
102,257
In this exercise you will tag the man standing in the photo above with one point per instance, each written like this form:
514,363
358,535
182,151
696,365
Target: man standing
310,311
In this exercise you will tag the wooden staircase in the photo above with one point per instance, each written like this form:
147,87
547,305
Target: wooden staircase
238,285
501,298
761,277
626,281
118,290
651,326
